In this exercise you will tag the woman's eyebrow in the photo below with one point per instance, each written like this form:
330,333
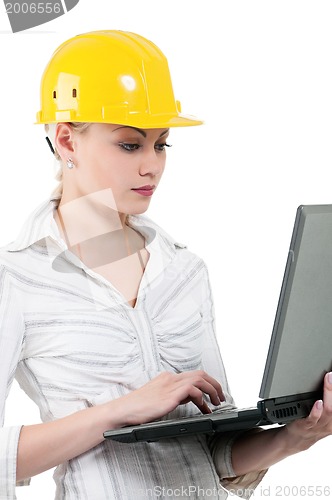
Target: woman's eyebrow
140,130
134,128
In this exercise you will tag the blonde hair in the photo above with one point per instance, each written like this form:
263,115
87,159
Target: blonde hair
50,129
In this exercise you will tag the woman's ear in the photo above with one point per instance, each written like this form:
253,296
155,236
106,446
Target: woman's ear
64,141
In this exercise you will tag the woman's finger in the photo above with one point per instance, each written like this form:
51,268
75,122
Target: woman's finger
327,396
206,384
196,396
315,414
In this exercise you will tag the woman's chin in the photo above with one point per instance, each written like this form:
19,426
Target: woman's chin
137,208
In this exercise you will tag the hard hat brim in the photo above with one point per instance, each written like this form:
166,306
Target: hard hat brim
149,122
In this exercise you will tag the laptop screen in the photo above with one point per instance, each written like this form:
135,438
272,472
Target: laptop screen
302,332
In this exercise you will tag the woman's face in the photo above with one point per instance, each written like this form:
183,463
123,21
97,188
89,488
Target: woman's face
127,160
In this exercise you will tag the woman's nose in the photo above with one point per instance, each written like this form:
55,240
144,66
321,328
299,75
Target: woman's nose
153,163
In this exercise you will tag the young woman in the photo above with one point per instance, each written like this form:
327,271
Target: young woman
105,320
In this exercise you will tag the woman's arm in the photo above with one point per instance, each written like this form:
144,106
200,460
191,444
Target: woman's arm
43,446
258,451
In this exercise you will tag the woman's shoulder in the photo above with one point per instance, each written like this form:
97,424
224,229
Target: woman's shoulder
6,263
7,258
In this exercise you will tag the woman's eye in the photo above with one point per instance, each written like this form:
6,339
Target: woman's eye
162,146
132,146
128,146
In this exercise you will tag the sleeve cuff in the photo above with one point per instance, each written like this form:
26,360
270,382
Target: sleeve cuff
25,482
9,437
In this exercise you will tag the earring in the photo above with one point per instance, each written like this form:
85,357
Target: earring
70,163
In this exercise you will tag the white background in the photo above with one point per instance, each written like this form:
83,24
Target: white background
259,74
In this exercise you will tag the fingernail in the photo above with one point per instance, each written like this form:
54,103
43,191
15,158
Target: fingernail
329,377
319,404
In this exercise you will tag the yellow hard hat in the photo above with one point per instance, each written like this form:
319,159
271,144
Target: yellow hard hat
110,77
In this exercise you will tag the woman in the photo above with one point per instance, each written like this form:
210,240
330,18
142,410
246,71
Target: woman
105,320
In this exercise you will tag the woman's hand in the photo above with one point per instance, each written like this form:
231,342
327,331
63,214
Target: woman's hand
165,392
43,446
304,432
258,451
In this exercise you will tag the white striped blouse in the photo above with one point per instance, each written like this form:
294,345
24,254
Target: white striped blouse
72,341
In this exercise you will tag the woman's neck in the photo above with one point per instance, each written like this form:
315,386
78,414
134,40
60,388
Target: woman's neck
98,235
88,217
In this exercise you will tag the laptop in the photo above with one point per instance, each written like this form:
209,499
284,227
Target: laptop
300,350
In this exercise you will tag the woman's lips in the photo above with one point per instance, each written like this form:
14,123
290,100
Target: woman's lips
145,190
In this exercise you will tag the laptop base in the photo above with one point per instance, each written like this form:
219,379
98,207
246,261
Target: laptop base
268,412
